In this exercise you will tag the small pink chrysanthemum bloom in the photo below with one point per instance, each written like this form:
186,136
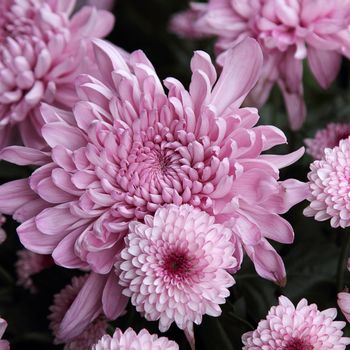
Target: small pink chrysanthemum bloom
329,186
303,327
4,344
62,302
289,32
129,148
131,340
175,266
42,50
29,264
327,138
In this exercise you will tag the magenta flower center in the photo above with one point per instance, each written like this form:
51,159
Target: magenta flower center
298,344
177,265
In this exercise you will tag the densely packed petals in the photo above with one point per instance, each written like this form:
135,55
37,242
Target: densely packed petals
175,266
29,264
129,148
62,302
329,186
42,50
289,32
328,137
135,341
303,327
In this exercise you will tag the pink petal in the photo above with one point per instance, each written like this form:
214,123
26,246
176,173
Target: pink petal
113,301
24,156
324,64
14,195
241,70
35,240
85,309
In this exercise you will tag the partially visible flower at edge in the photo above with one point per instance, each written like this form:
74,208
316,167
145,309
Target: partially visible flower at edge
135,341
42,51
297,327
328,137
4,344
29,264
329,186
288,32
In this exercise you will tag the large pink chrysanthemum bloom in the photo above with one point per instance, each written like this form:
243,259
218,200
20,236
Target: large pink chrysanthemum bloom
62,302
289,31
128,148
303,327
42,50
329,186
29,264
328,137
175,266
4,344
131,340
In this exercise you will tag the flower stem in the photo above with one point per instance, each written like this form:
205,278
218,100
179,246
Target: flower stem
342,262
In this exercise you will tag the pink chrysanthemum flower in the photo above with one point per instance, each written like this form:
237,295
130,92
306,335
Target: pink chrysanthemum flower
175,266
42,50
130,340
62,302
329,186
289,32
129,148
29,264
303,327
327,138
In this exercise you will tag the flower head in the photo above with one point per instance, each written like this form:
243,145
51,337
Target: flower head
130,340
175,266
327,138
62,302
42,50
303,327
129,148
28,264
289,32
329,186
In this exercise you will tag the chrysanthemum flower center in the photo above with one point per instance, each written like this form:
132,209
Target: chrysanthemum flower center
298,344
177,264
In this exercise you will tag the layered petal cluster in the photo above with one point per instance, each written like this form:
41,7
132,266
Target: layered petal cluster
328,137
42,50
4,344
135,341
329,186
289,32
62,302
303,327
129,148
29,264
175,266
